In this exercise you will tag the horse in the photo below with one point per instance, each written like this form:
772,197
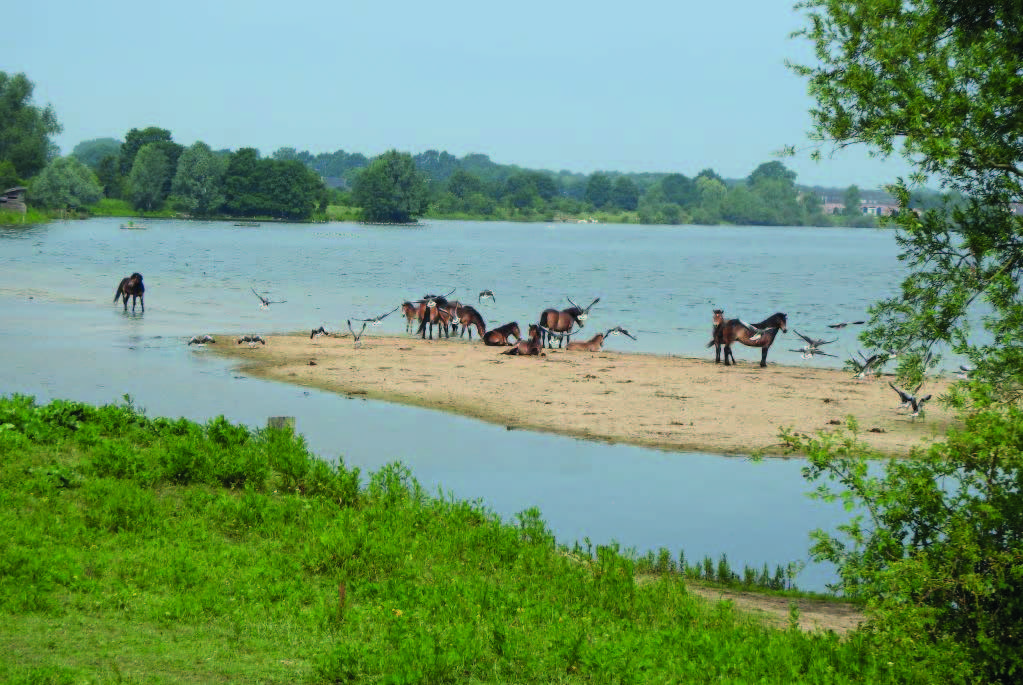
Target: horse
500,335
530,347
563,320
756,335
595,343
411,313
433,309
468,316
133,287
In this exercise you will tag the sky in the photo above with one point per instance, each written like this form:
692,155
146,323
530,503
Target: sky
642,86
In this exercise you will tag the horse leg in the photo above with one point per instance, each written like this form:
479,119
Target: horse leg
717,353
728,353
142,303
763,355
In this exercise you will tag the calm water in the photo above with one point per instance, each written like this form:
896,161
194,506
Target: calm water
62,337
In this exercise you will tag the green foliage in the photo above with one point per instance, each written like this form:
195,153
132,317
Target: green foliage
149,175
599,190
276,581
198,184
92,152
65,183
938,81
935,546
391,189
25,129
137,139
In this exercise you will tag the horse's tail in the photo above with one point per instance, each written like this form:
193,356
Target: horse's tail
715,336
117,293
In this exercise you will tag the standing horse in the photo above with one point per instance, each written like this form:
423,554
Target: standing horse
500,335
433,309
411,313
468,316
133,287
530,347
563,320
756,335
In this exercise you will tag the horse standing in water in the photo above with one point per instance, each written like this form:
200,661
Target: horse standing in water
562,321
411,313
132,287
756,335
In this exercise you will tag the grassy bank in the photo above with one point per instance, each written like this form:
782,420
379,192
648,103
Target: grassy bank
163,551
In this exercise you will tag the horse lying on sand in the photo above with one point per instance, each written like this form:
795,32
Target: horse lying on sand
133,287
530,347
595,343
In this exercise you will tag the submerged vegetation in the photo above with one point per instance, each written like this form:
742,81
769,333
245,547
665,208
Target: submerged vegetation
158,550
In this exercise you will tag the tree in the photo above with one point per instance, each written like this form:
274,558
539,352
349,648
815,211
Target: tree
599,190
391,189
940,82
148,178
625,194
65,183
851,200
25,129
92,152
679,189
244,196
771,171
136,139
198,182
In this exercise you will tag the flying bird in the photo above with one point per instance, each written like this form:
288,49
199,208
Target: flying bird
317,332
487,295
375,321
201,340
964,372
431,300
618,330
843,324
868,365
910,400
357,336
583,312
252,340
264,302
813,346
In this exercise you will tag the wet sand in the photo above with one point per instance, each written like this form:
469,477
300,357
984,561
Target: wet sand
664,402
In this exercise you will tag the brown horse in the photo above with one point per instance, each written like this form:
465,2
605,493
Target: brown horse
500,335
756,335
133,287
563,320
434,309
530,347
411,313
595,343
468,316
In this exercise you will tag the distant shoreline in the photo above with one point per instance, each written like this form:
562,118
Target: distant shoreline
662,402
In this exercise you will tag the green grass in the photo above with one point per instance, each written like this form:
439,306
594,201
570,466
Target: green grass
111,207
164,551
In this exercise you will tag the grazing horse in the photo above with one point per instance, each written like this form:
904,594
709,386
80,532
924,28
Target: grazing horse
595,343
756,335
500,335
530,347
563,320
411,313
468,316
133,287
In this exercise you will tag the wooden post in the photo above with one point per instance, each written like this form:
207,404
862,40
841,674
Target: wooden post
286,422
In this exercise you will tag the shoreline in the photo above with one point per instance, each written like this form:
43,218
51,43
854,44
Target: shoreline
669,403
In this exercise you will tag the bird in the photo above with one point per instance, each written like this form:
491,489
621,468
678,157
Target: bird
252,340
813,346
201,340
756,332
618,330
375,321
910,400
317,332
843,324
431,300
487,295
964,372
264,302
357,336
867,365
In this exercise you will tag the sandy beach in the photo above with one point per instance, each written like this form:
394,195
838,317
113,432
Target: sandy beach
664,402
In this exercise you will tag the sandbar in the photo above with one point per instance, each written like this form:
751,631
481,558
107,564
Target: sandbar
665,402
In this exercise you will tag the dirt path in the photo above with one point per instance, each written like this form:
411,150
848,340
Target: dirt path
814,614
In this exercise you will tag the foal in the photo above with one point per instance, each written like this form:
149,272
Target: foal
500,335
530,347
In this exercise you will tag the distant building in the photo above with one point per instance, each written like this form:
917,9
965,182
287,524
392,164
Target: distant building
13,200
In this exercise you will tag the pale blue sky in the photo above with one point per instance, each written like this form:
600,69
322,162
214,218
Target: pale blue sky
647,85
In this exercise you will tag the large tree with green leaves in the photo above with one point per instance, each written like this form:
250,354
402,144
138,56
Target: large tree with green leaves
148,178
936,552
92,152
198,184
391,189
940,82
65,183
25,129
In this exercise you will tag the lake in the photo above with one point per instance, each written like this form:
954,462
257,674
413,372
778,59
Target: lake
63,338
